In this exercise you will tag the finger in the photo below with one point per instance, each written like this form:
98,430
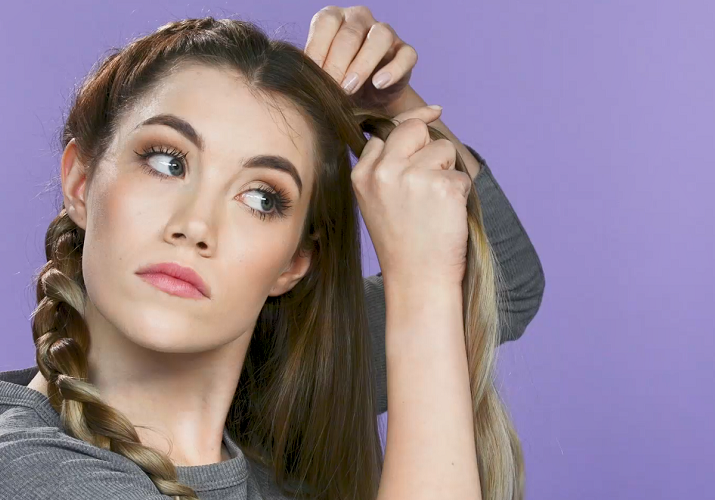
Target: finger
405,59
378,42
427,114
369,156
323,28
406,139
345,46
440,154
461,182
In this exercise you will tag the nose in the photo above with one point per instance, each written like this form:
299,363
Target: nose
194,234
192,226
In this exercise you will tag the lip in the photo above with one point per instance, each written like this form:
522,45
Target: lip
175,279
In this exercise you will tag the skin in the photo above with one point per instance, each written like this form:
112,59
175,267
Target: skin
153,353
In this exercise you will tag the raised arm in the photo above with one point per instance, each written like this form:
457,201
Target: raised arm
515,254
430,451
415,205
358,52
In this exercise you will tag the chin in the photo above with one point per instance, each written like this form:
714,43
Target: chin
163,330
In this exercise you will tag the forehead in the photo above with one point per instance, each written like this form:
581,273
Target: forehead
233,119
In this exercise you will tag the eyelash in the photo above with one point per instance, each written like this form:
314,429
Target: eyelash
280,197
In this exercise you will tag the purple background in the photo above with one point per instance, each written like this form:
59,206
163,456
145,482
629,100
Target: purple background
595,118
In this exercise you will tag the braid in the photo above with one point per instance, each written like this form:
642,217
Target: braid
62,342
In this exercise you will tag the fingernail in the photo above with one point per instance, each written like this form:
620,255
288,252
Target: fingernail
350,82
381,80
435,106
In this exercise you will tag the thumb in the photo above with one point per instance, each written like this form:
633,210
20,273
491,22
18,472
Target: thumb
425,113
368,157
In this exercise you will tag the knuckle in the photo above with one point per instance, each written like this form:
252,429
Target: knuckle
382,30
414,125
331,10
412,51
466,182
457,184
446,145
443,186
414,178
330,14
446,150
355,172
383,176
357,176
362,10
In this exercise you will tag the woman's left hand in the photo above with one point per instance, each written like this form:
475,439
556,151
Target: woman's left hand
357,51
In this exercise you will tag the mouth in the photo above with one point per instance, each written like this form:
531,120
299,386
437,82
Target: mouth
175,279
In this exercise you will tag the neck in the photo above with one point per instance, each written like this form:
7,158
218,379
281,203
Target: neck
181,400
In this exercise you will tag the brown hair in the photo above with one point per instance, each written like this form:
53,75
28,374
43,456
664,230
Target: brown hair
305,403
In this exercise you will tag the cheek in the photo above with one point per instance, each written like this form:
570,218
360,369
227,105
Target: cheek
258,256
115,229
114,221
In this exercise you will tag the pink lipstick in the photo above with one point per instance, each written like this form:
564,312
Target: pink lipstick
175,279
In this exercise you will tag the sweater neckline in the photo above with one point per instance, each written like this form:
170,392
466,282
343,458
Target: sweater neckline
232,472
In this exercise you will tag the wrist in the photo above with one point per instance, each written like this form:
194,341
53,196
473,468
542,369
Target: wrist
422,314
419,285
426,297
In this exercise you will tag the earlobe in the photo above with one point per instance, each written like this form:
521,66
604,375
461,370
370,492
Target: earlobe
292,274
73,174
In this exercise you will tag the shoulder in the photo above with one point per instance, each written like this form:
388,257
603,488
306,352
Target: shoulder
44,462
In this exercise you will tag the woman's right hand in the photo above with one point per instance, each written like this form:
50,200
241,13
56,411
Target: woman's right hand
414,203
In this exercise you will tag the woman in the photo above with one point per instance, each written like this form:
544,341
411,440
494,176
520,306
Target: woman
207,145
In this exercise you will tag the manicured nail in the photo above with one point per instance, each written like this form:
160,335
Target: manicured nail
381,80
435,106
350,82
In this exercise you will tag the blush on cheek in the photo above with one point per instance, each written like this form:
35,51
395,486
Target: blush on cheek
114,225
104,217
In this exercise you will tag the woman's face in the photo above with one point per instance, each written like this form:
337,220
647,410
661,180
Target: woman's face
181,182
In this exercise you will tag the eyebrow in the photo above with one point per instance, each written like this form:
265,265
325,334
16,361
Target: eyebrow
259,161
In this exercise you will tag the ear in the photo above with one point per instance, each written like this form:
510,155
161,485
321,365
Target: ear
74,179
292,274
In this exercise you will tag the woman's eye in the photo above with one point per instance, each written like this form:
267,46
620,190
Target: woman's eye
260,199
166,164
163,161
271,202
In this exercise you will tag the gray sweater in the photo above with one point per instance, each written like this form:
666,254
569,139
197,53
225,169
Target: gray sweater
39,461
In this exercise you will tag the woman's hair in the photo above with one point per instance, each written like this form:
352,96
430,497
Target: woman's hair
305,405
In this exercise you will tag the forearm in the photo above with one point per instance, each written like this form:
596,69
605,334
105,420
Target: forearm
410,99
430,451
